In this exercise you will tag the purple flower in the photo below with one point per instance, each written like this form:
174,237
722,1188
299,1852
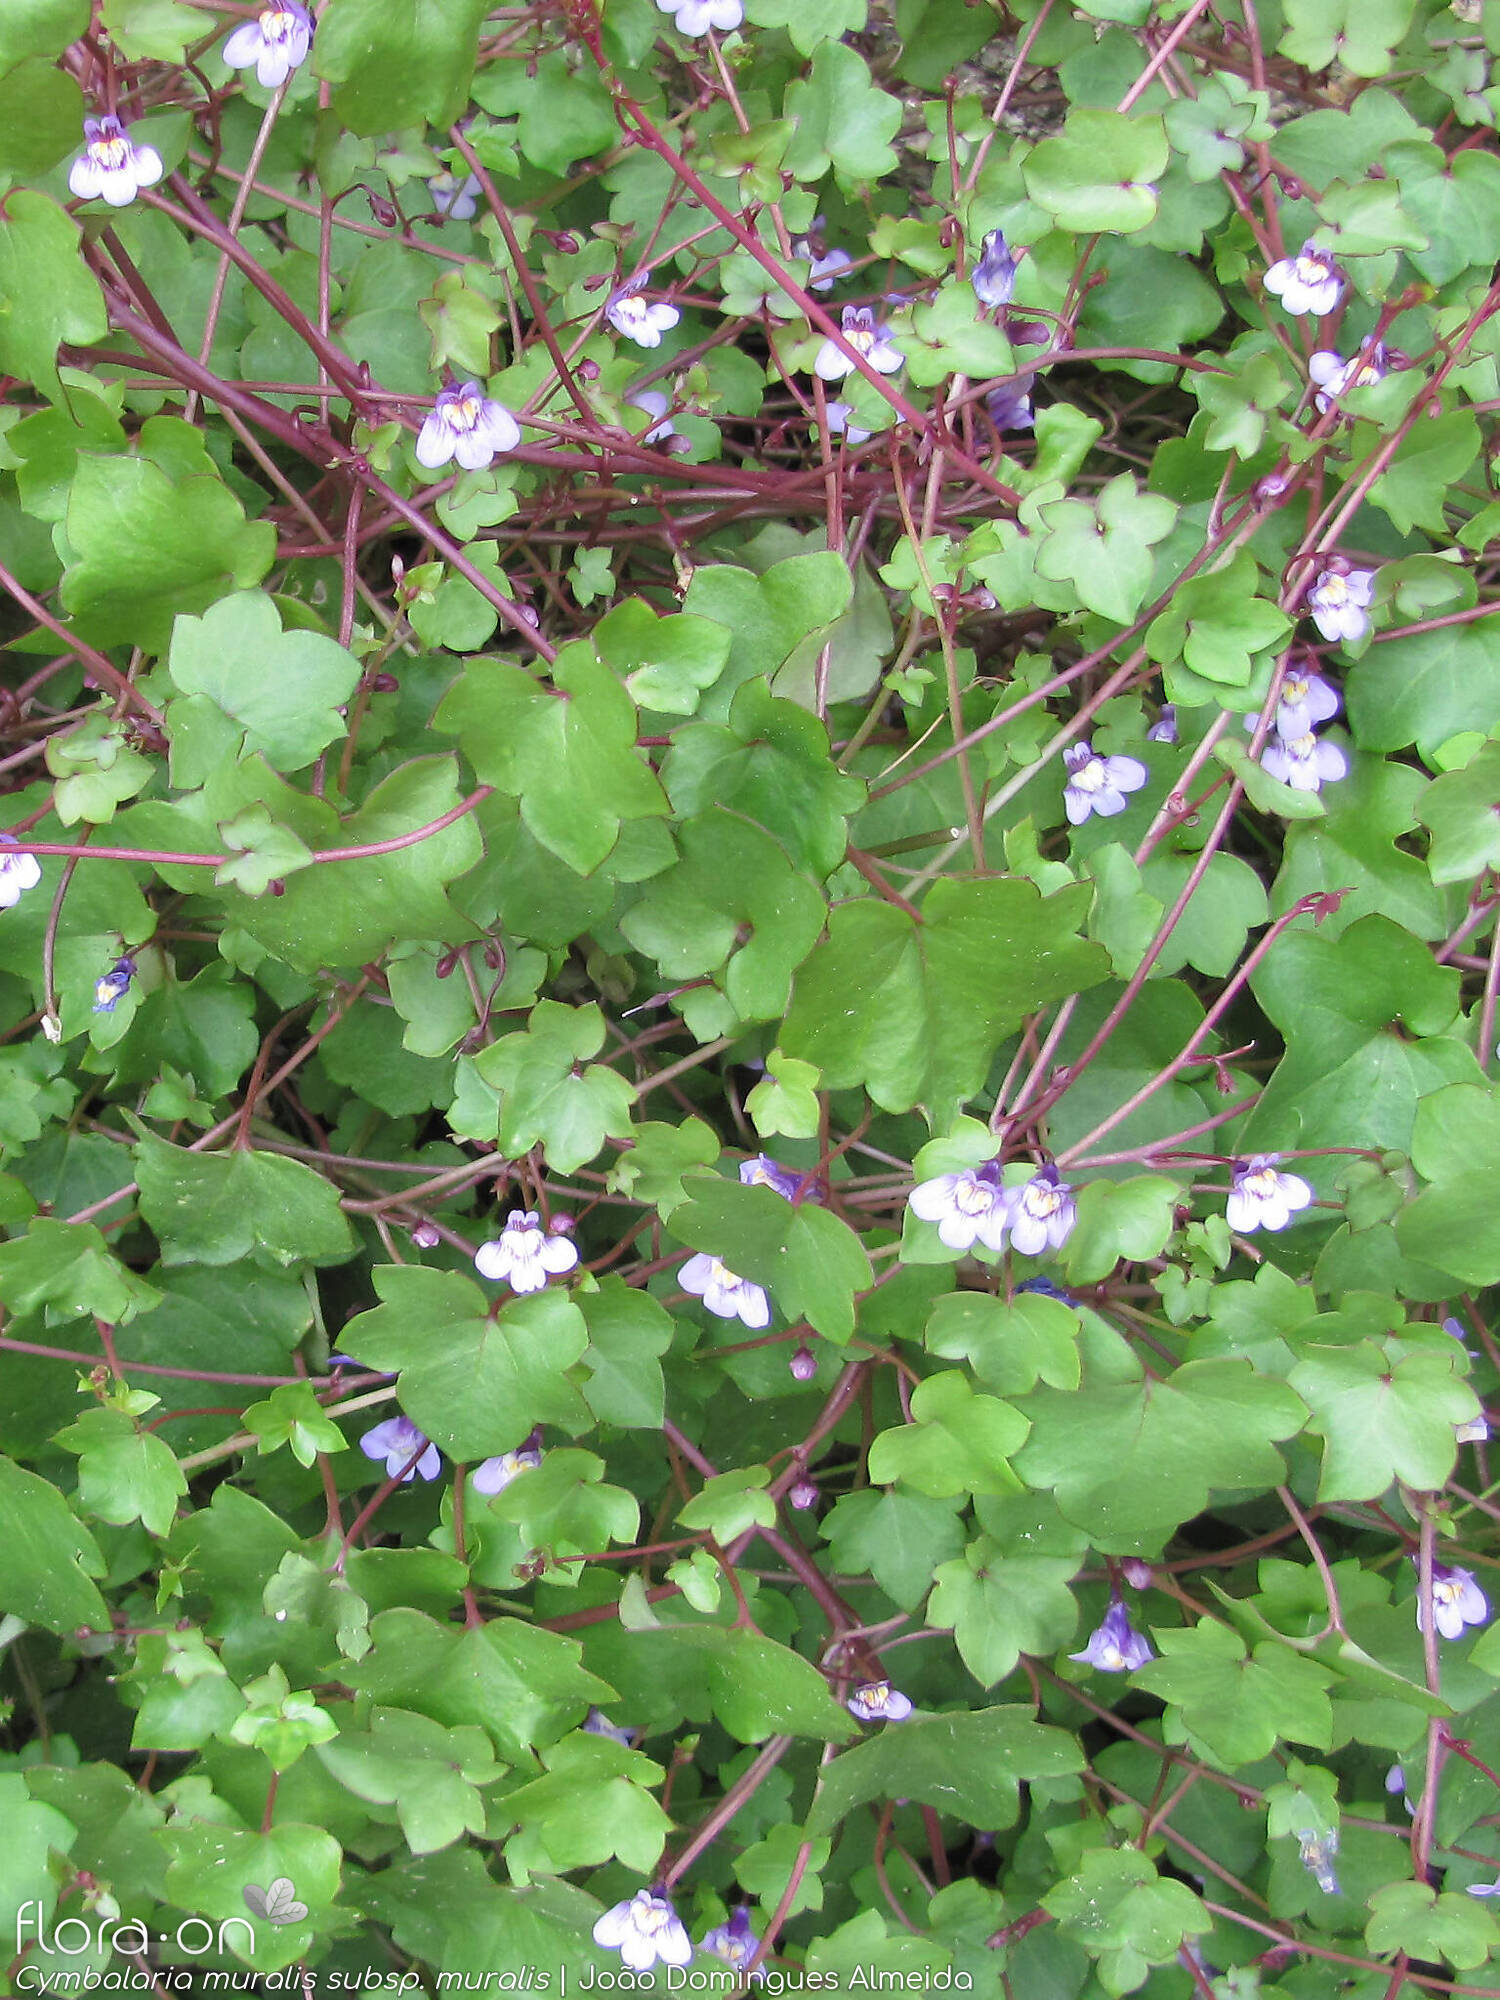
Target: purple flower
828,266
1395,1783
734,1941
464,423
110,168
804,1494
1045,1288
1316,1851
693,17
994,276
1335,377
493,1475
426,1235
398,1442
803,1365
1009,404
1457,1601
837,416
1306,700
627,312
726,1295
1115,1647
643,1929
1305,764
878,1701
868,337
1485,1888
522,1256
1041,1213
112,988
1262,1198
456,200
967,1207
1339,602
276,41
597,1723
1475,1430
1098,784
760,1170
1136,1573
655,404
1310,282
19,871
1164,729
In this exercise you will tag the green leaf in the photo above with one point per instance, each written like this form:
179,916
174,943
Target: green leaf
1127,1220
1453,1225
811,1262
1427,688
915,1011
628,1332
898,1538
1412,1918
154,30
68,1268
431,1775
1361,34
786,1099
1129,1461
480,1388
212,1866
823,21
1237,1705
545,1094
47,1557
124,1473
665,662
40,112
755,1687
1009,1346
1428,463
1126,1915
770,617
1216,625
1461,809
569,756
591,1807
957,1442
970,1766
1380,1419
215,1208
155,534
1098,173
841,120
292,1415
283,689
398,62
1358,847
40,28
48,295
730,1503
1103,547
1000,1604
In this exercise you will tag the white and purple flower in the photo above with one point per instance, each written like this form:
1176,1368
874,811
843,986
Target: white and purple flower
1164,729
724,1293
695,17
1457,1601
1115,1647
878,1701
1333,376
523,1255
1098,784
1009,404
455,200
734,1941
869,338
112,988
597,1723
655,403
1316,1851
276,41
968,1207
1040,1214
837,417
643,320
994,276
1304,763
1306,700
828,266
1339,602
111,167
642,1930
466,424
1310,282
405,1450
760,1170
19,871
493,1475
1261,1197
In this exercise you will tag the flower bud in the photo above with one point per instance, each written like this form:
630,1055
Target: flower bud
803,1365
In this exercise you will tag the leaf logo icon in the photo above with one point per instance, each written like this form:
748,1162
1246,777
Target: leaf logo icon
278,1904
